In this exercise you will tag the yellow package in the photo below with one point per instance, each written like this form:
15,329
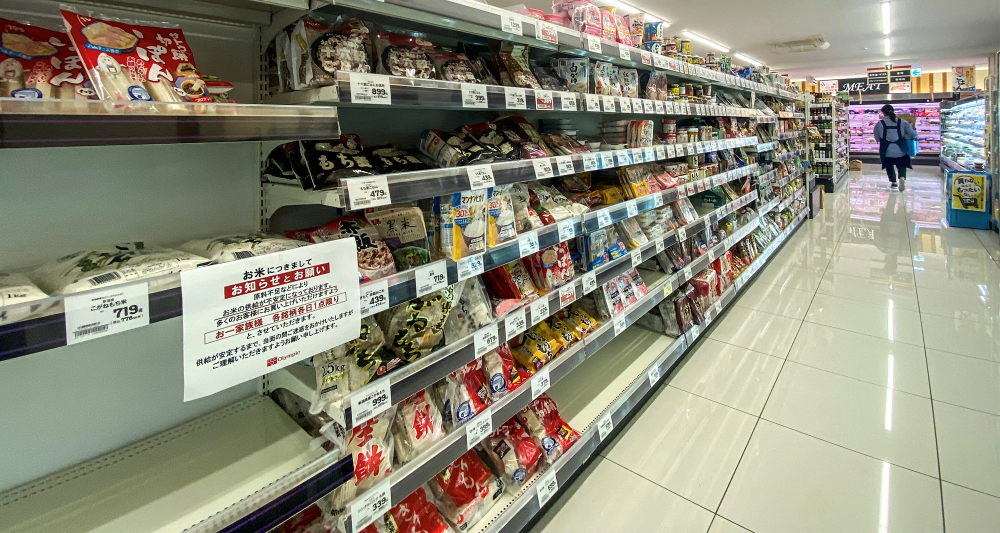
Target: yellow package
585,321
535,351
568,332
633,181
610,194
555,342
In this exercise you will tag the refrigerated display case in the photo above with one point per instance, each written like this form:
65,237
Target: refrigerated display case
864,118
963,131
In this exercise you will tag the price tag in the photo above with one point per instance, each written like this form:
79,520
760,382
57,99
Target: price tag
432,277
540,382
647,58
637,105
368,192
527,244
589,282
682,191
567,295
547,487
621,158
654,375
687,272
647,106
660,246
473,95
718,308
564,165
516,98
515,323
593,43
670,107
589,162
659,152
631,209
670,150
636,258
568,101
681,234
658,107
486,339
510,23
567,229
479,428
539,310
608,104
371,505
592,103
370,89
544,101
667,289
546,31
695,331
625,105
481,176
370,401
100,313
625,52
620,324
543,168
470,266
660,61
604,427
648,154
603,218
374,297
636,154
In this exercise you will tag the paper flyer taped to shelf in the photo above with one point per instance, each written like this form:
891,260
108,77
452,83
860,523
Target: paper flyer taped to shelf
250,317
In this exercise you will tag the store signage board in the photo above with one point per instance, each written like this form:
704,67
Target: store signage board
861,85
878,75
239,317
828,86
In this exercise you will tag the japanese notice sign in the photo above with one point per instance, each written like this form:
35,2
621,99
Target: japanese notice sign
250,317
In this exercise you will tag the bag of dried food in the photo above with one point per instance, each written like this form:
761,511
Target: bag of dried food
36,62
319,50
462,228
470,311
350,366
575,73
103,266
525,215
547,428
370,446
512,453
17,290
388,159
550,268
514,57
465,491
464,394
415,514
502,373
454,66
416,328
328,161
404,55
374,257
488,135
509,286
125,61
417,426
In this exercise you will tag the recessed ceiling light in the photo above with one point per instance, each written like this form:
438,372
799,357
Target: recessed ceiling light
885,18
705,40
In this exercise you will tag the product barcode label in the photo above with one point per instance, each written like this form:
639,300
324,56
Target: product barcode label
687,272
544,101
539,310
670,150
603,218
648,107
604,426
620,324
593,43
592,103
567,229
589,282
368,192
486,339
481,176
625,52
621,158
515,323
659,152
516,98
631,209
479,428
568,101
589,162
540,382
658,107
432,277
371,505
564,165
681,234
474,95
469,267
119,308
660,61
370,89
608,104
374,297
637,155
527,244
567,295
370,401
660,247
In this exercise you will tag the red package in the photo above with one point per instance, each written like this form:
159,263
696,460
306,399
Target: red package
37,62
638,283
512,453
705,284
697,310
626,289
464,394
133,62
548,429
509,286
415,514
465,490
550,268
622,32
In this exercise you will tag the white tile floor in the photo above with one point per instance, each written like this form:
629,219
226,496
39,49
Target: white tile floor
855,386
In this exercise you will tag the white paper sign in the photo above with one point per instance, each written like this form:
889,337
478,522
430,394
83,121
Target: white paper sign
371,505
470,267
681,234
564,165
474,95
510,23
592,103
660,61
625,104
370,401
539,310
593,43
687,272
636,258
603,218
589,282
660,152
543,168
631,209
479,428
515,323
607,160
660,246
658,107
567,229
625,52
547,487
654,375
540,382
608,104
370,89
546,31
621,158
516,98
589,162
481,176
432,277
527,244
636,154
670,150
374,297
116,309
239,317
486,339
620,324
636,105
648,107
568,101
368,192
567,295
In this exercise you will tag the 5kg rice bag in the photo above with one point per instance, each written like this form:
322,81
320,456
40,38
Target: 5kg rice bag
350,366
37,62
418,425
416,328
104,266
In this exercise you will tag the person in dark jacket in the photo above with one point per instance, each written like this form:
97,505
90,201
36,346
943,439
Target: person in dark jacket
892,135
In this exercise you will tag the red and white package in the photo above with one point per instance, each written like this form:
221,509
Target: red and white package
638,283
136,62
415,514
550,268
370,446
547,428
464,394
37,62
512,453
418,426
465,491
705,286
724,270
501,372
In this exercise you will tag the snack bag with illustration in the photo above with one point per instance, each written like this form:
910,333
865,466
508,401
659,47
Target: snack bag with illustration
37,62
136,62
547,428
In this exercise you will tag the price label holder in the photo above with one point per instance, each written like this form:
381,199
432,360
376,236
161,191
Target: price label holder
370,401
660,61
654,375
568,101
370,89
593,43
368,192
567,295
631,208
607,160
637,105
621,158
647,58
374,297
469,267
592,103
625,52
516,98
636,258
564,165
658,108
636,155
589,162
486,339
718,308
527,244
659,152
687,273
589,282
620,324
539,310
625,105
479,428
681,234
668,288
371,505
540,382
113,310
660,246
544,101
648,154
432,277
604,426
543,168
648,107
547,487
695,331
474,95
515,323
481,176
547,32
608,104
603,218
670,151
567,229
510,23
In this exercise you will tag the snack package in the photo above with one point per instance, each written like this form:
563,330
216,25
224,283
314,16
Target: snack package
567,334
443,147
135,62
525,216
398,225
350,366
501,372
549,431
583,321
327,161
465,491
370,445
403,55
462,228
629,79
452,66
37,62
464,394
509,286
636,23
318,50
15,290
575,73
593,249
512,453
550,268
104,266
415,514
416,328
502,228
547,77
602,78
623,33
489,136
388,159
637,282
469,312
631,233
374,257
417,426
608,23
514,58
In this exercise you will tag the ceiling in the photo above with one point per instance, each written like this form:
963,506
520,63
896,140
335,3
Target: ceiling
932,34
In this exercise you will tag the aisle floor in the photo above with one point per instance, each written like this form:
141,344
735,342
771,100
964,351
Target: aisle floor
854,387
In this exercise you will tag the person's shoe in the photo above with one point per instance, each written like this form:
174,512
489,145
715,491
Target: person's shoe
902,184
893,186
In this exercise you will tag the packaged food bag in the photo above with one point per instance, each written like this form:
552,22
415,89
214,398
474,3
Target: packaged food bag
416,328
464,394
326,162
404,55
502,228
547,428
374,257
465,491
350,366
240,246
470,310
501,372
17,290
512,453
463,223
418,425
415,514
103,266
370,446
36,62
319,49
135,61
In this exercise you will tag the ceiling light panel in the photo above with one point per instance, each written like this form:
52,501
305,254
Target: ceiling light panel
705,40
886,26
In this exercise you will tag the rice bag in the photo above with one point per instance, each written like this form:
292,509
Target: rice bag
502,228
470,311
462,228
374,257
416,328
512,453
464,394
404,55
350,366
547,428
415,514
16,290
103,266
37,62
465,491
370,446
398,226
135,61
417,426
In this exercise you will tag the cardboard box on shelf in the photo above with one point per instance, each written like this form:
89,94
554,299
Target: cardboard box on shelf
856,165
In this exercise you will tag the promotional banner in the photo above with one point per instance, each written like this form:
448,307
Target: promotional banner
968,191
963,79
828,86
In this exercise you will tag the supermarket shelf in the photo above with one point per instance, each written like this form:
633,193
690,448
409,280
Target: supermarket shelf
245,467
642,361
51,123
791,135
766,147
787,156
949,164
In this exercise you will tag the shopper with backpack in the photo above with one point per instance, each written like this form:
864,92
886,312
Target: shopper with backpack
892,135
